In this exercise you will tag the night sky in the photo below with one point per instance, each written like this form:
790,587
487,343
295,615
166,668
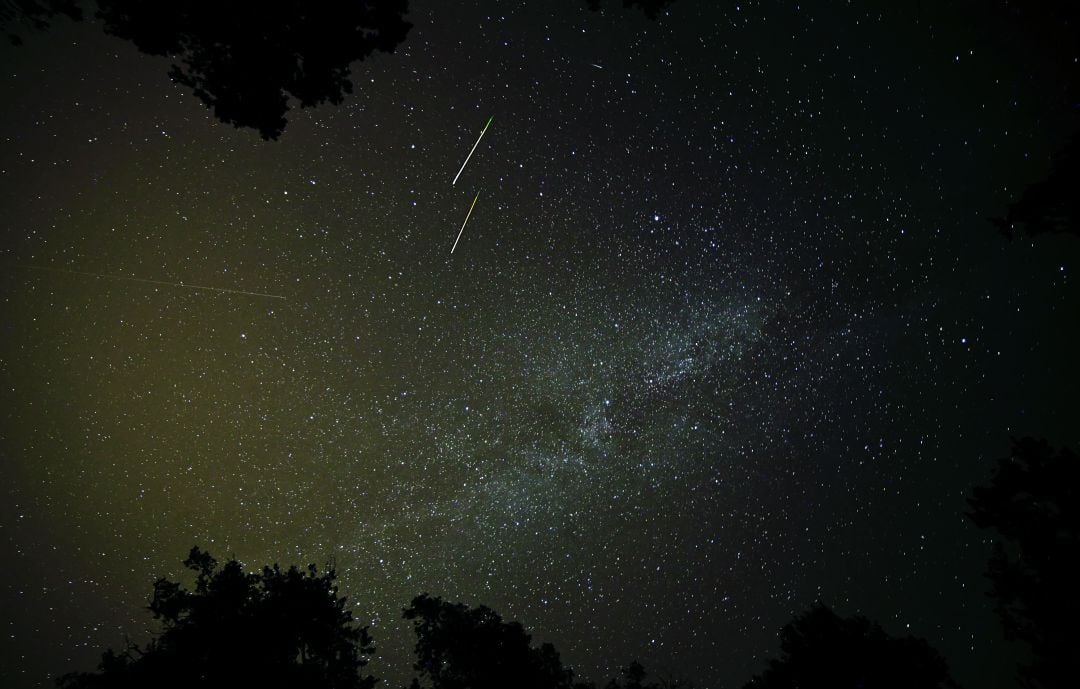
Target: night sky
727,333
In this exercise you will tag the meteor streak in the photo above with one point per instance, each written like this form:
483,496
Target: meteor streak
473,149
153,282
466,218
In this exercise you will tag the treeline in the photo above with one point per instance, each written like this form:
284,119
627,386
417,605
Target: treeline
290,628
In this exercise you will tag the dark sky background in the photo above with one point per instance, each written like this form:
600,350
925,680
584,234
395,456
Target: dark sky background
727,333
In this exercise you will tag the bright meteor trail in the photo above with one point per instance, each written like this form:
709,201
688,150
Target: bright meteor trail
473,149
467,214
154,282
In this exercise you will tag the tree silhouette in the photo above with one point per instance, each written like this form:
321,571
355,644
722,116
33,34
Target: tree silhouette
1051,205
277,628
634,676
244,59
1042,33
458,647
820,649
33,14
1033,502
651,8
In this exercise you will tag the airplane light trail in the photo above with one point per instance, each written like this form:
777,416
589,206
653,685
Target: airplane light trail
464,223
152,282
473,149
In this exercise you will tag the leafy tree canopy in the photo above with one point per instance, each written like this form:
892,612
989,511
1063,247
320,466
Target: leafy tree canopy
458,647
820,649
634,677
276,628
1033,502
34,14
245,59
651,8
1051,205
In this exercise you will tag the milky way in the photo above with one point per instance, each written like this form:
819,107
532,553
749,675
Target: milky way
727,333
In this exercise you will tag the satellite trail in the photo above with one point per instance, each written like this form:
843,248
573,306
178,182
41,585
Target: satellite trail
473,149
166,283
466,221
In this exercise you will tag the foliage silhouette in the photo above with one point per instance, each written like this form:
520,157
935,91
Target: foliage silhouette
33,14
1039,28
1034,504
244,59
1052,205
634,676
458,647
276,628
651,8
1042,34
823,650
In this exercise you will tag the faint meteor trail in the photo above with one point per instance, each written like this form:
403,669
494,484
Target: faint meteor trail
473,149
152,282
466,221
